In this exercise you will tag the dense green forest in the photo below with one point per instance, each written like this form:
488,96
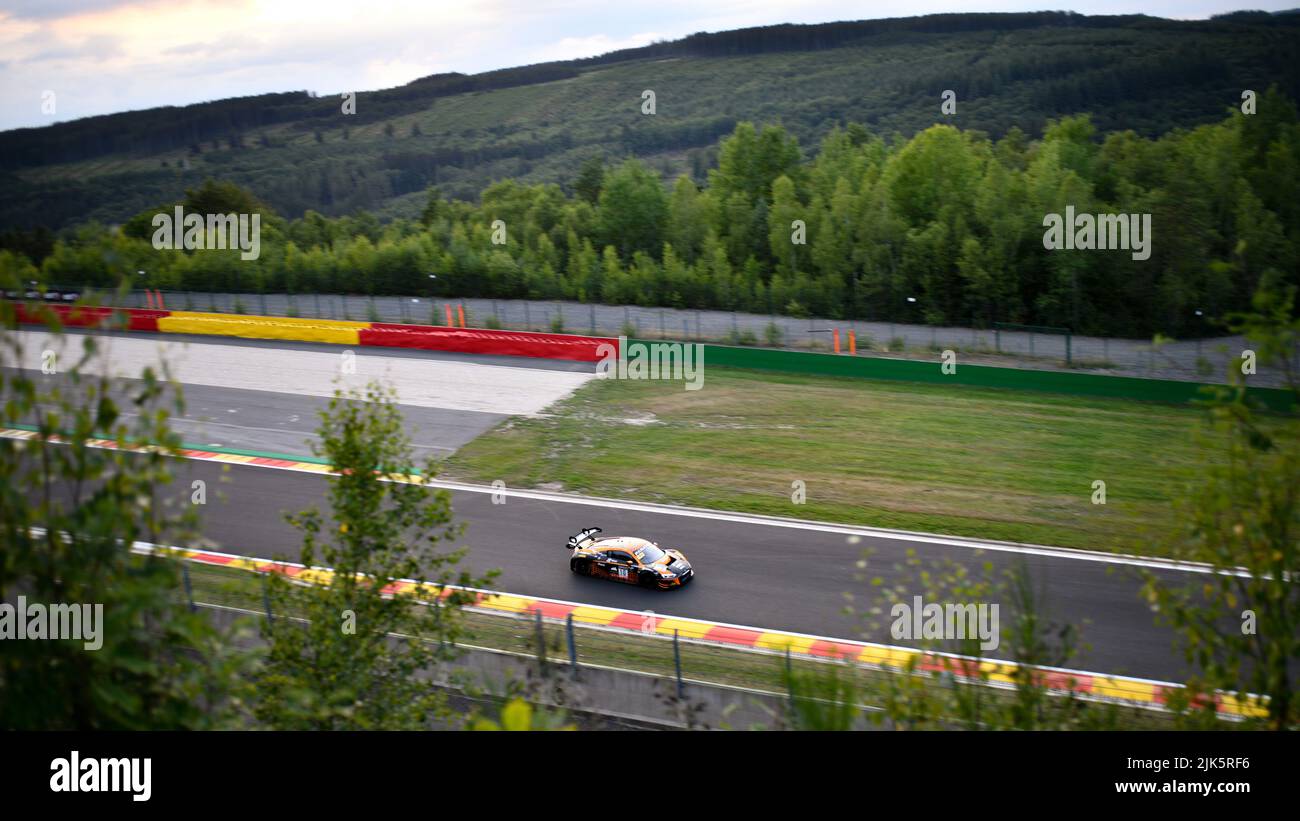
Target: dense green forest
537,124
950,218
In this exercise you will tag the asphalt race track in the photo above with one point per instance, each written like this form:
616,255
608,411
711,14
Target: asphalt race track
779,576
751,574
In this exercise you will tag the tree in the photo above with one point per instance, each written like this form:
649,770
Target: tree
1238,625
68,511
633,210
358,659
688,218
750,161
786,209
433,207
590,180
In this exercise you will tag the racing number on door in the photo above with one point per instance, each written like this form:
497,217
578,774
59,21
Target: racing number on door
618,568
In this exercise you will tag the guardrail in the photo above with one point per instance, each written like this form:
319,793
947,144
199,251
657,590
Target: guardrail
1136,692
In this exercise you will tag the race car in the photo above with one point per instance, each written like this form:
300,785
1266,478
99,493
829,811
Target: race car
627,559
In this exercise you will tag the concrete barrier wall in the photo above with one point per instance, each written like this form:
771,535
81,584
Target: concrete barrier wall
334,331
910,370
586,349
77,316
473,340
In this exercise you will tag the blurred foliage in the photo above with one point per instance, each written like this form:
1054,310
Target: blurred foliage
1238,625
68,512
949,685
359,658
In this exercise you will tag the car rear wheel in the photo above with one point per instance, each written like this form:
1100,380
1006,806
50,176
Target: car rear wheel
581,567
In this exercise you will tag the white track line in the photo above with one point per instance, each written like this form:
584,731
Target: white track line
1044,551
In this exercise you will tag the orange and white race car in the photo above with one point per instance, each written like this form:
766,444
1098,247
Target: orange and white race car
627,559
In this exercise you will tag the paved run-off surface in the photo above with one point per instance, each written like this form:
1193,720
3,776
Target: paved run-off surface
264,395
423,382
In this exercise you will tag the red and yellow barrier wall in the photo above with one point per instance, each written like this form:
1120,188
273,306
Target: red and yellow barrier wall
474,340
337,331
340,332
79,316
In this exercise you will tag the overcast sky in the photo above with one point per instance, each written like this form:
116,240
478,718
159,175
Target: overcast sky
103,56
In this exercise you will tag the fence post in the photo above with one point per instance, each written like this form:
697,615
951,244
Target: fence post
189,590
541,643
1069,361
789,683
677,664
573,645
266,599
528,324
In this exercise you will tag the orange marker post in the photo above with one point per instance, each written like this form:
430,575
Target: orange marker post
837,340
461,310
853,344
161,306
448,307
148,298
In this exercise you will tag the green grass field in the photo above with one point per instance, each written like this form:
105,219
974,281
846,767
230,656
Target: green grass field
975,462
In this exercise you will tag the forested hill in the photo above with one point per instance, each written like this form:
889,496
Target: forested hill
299,152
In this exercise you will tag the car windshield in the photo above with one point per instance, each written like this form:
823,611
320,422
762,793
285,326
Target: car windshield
649,554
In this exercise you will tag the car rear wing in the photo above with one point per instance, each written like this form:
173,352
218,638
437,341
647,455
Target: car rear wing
584,535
